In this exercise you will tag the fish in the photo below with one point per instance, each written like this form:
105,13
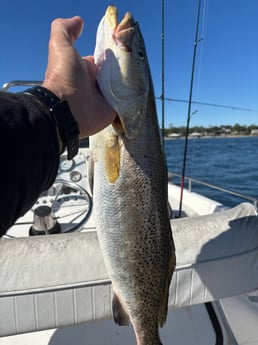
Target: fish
129,172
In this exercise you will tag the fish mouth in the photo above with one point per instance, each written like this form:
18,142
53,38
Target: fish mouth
123,31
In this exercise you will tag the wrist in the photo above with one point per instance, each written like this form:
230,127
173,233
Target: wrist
66,127
64,94
56,91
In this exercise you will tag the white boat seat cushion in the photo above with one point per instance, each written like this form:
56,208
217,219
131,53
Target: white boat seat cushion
52,281
217,256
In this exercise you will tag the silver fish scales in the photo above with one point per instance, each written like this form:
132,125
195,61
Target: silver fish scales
130,182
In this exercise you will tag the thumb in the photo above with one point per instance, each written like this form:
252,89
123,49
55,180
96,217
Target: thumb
66,30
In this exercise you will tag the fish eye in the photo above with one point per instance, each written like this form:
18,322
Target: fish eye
140,54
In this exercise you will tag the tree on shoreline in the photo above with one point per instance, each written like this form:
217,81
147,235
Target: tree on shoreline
235,129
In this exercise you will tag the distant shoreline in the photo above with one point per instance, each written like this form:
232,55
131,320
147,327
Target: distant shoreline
213,136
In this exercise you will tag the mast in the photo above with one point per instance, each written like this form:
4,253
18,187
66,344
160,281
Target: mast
189,111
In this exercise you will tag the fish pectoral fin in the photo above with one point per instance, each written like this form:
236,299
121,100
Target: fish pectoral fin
119,314
112,159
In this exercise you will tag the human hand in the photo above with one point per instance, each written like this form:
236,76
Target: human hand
73,78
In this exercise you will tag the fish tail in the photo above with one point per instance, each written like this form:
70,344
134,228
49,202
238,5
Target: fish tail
158,342
119,314
147,335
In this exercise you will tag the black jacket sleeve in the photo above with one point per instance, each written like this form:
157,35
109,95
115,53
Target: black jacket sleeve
29,154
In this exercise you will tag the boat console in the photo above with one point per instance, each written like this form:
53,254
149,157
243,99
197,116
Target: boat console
64,207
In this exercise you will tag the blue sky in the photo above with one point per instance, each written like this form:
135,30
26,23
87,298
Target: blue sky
226,63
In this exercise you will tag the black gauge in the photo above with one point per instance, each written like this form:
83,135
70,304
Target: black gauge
66,165
75,176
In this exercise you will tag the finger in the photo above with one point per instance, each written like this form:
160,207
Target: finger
90,62
91,68
89,58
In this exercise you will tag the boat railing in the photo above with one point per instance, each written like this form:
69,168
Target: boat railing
21,83
192,181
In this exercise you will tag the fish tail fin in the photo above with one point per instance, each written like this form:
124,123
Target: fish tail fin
119,314
171,267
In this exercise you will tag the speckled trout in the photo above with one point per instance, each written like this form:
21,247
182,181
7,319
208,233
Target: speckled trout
130,182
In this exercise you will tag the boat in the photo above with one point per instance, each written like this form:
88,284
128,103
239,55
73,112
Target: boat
54,287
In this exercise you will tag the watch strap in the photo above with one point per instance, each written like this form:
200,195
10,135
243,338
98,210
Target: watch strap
61,116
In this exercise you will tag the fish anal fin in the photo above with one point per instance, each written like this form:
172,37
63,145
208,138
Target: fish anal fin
119,314
170,269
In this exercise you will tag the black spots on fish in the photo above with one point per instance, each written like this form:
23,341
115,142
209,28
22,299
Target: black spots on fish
119,314
147,334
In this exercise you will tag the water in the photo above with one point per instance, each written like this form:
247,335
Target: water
231,163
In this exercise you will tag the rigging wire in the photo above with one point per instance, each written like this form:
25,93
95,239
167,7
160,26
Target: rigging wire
232,107
197,102
162,73
189,110
201,39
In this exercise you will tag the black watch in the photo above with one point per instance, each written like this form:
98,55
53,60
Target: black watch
62,117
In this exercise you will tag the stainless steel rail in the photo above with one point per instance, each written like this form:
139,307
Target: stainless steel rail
191,180
14,83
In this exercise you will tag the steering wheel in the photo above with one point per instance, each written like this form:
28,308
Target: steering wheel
63,208
66,206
